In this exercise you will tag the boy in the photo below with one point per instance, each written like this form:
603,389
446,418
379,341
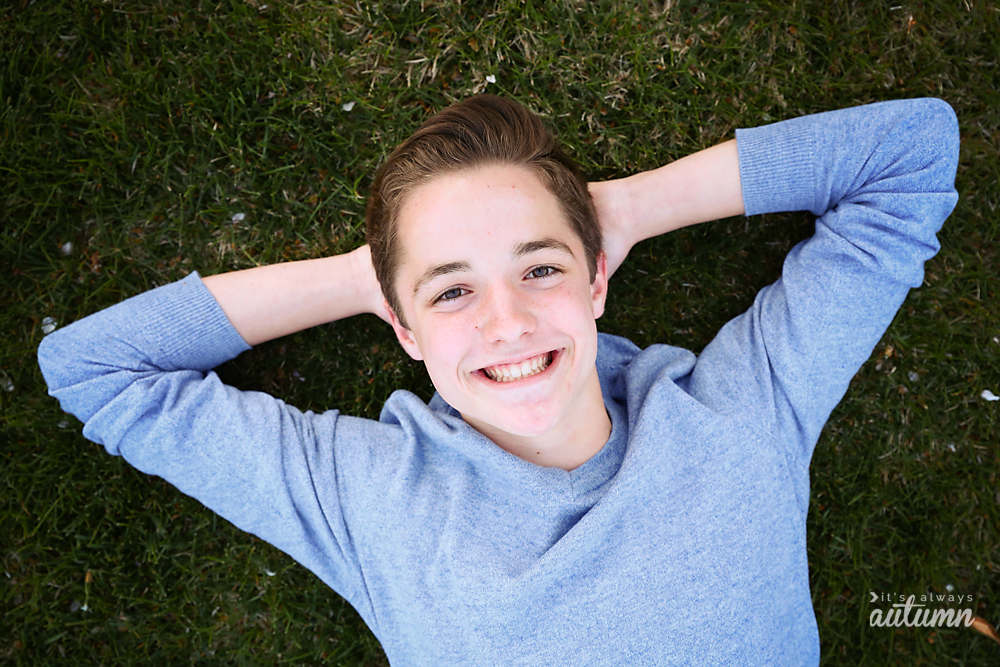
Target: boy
565,498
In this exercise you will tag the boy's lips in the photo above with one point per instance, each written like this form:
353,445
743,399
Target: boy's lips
551,357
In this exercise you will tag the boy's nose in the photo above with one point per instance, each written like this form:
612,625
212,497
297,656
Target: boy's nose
506,315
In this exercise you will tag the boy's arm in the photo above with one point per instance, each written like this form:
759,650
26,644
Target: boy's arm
698,188
268,302
139,376
880,178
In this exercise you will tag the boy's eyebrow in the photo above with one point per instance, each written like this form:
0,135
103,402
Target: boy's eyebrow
547,243
439,270
519,251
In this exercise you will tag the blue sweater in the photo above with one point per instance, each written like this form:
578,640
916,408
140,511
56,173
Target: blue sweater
681,542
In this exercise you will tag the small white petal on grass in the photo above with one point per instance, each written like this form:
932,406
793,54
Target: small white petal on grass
268,572
951,447
6,385
989,395
239,217
85,607
347,106
63,424
48,325
66,248
949,588
491,79
913,376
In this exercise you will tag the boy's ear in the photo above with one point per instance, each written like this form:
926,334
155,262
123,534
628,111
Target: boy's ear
404,335
599,288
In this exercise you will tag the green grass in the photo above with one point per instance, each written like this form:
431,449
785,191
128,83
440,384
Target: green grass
135,131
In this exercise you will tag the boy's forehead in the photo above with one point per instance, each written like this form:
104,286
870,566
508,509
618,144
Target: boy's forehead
478,190
489,210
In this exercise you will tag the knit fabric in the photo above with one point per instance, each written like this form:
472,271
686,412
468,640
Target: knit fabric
683,541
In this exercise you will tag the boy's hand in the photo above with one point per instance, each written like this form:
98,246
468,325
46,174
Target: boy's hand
613,202
368,283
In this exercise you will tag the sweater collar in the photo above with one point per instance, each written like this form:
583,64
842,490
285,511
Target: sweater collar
592,475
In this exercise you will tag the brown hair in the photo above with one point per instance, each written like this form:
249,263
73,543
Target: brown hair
479,131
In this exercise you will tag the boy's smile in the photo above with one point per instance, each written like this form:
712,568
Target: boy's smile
495,287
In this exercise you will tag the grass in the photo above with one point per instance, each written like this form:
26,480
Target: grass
135,132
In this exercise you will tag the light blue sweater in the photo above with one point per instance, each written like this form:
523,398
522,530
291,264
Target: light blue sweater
681,542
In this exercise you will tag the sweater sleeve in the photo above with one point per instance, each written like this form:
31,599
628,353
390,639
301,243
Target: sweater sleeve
139,376
880,178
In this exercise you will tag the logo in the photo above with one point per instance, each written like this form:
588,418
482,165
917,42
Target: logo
913,613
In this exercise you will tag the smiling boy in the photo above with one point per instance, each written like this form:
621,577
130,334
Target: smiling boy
565,498
520,294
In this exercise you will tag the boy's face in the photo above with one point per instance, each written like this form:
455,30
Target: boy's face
500,277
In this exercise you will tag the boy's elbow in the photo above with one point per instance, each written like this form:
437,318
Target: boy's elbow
56,363
49,358
947,123
940,134
69,379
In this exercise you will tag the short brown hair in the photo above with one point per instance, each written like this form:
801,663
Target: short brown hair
482,130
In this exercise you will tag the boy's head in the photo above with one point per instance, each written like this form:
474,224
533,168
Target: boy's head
481,131
486,244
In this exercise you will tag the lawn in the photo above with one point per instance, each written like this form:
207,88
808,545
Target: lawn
144,140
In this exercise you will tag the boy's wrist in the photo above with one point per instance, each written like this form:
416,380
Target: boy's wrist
698,188
649,206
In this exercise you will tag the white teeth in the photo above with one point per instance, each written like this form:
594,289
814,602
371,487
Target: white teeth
513,373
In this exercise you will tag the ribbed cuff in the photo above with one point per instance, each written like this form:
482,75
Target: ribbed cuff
777,167
191,328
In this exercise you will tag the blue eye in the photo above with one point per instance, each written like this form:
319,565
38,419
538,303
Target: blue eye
445,297
551,271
